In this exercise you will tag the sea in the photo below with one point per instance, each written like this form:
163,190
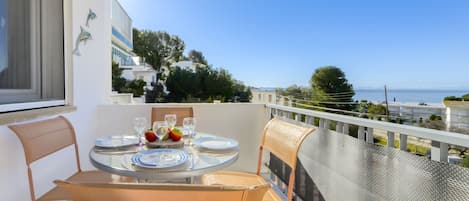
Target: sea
407,95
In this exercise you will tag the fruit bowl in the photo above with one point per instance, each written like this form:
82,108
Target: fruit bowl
165,144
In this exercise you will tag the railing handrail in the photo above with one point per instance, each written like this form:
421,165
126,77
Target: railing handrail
436,135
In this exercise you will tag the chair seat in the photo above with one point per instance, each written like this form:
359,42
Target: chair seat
94,176
239,179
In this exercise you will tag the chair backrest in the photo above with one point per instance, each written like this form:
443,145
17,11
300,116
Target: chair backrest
157,113
283,139
167,192
43,138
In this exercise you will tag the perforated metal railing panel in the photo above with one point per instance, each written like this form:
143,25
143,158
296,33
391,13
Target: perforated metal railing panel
343,168
305,189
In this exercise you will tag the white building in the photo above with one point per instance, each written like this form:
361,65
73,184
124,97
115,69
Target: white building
186,65
457,114
263,96
415,112
139,71
134,67
122,39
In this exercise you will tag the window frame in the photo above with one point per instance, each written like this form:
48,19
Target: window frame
12,108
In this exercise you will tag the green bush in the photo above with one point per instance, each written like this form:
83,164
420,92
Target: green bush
465,97
465,162
452,98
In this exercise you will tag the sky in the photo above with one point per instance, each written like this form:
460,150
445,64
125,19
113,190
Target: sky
417,44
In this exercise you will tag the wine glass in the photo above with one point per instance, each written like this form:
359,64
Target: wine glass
170,119
139,127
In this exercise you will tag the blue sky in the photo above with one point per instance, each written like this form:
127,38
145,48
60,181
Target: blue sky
417,44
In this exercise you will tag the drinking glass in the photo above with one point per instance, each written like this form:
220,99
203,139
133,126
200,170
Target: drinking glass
139,127
170,119
157,125
189,125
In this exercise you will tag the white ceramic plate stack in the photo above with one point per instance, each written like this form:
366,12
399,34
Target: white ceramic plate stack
160,158
116,141
216,143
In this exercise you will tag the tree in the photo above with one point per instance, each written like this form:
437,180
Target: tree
121,85
331,89
295,91
159,50
135,87
242,93
205,85
376,109
197,57
118,82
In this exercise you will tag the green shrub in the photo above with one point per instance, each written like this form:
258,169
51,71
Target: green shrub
465,162
452,98
465,97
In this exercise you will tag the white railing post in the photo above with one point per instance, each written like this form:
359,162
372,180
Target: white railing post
403,142
369,135
339,127
298,117
361,133
309,119
286,114
346,129
327,124
390,139
321,123
439,151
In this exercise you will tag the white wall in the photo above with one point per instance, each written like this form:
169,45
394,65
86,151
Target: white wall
92,86
241,121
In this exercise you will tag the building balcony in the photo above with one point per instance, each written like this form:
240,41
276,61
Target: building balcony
334,164
372,171
338,161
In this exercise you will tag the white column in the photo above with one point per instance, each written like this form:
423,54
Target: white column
346,129
403,142
439,151
327,123
361,133
390,139
339,127
369,135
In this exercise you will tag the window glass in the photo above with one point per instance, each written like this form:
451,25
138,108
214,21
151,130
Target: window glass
3,36
31,51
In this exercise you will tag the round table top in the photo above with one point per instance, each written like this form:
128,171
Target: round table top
118,161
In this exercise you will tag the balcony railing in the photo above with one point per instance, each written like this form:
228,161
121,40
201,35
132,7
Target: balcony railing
439,139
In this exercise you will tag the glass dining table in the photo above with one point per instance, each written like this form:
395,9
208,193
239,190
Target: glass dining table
199,161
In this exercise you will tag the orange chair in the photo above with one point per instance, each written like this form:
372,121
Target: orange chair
281,138
157,113
43,138
166,192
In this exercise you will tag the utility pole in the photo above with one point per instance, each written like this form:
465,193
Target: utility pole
386,99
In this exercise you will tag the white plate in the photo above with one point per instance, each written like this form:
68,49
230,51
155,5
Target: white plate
216,143
116,141
160,158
